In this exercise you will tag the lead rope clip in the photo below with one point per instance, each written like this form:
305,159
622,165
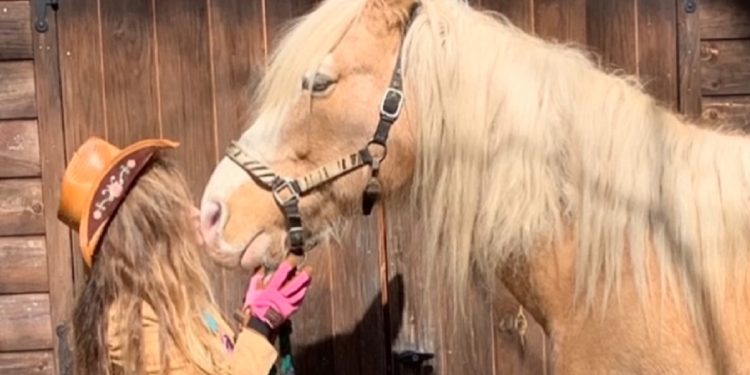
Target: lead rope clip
373,189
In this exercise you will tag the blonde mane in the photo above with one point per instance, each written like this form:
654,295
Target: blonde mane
523,142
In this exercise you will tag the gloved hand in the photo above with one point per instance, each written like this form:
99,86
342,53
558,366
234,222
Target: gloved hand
275,303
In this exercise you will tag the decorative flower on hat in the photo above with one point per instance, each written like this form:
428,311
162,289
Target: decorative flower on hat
114,189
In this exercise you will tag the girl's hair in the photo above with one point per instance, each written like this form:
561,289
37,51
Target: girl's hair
150,254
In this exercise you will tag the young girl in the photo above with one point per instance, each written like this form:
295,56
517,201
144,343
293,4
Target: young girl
147,307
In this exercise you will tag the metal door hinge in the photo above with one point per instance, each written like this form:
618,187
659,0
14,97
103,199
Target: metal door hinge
40,7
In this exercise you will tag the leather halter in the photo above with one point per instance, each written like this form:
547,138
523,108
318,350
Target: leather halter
287,192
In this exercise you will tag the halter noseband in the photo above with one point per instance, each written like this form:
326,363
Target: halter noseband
287,192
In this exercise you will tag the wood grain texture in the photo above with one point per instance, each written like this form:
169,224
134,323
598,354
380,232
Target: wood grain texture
238,60
130,84
25,322
15,30
238,63
23,265
17,90
727,111
19,148
82,87
21,208
724,19
725,67
185,93
520,12
359,329
561,20
27,363
52,142
81,72
610,32
414,316
280,12
689,66
657,50
312,339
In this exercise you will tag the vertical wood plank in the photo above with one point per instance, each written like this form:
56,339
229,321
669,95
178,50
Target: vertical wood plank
185,94
657,49
280,12
129,70
561,20
312,339
611,31
82,90
359,331
689,71
520,12
238,59
52,145
414,317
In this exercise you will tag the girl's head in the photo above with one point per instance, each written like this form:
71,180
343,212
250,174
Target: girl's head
147,252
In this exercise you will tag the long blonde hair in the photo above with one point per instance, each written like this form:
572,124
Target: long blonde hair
149,254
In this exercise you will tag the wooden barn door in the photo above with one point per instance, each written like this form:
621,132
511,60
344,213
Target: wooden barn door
35,274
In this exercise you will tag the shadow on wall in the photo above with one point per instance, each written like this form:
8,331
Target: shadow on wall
307,358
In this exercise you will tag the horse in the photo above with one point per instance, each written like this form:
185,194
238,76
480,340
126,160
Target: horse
622,227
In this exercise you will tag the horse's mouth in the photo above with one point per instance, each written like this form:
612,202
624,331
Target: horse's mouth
256,251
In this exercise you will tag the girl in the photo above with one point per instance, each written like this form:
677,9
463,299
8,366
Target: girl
147,307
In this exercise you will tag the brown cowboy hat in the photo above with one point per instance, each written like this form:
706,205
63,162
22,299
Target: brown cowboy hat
96,182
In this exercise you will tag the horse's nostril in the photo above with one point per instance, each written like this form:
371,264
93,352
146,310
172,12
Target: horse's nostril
210,216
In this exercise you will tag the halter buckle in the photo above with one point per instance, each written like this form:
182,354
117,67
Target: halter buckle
392,98
285,192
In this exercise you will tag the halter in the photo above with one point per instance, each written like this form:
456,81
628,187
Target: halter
287,192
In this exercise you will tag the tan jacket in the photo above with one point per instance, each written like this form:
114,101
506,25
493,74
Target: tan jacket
252,354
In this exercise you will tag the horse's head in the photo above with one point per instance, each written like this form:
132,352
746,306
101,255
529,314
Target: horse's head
319,102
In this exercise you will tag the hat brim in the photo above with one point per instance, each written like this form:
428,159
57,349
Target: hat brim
91,230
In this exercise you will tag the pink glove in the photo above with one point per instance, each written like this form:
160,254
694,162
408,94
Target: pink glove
281,298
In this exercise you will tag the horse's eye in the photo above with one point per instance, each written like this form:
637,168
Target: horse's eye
320,83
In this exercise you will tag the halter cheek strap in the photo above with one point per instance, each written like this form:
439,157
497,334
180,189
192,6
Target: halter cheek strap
287,192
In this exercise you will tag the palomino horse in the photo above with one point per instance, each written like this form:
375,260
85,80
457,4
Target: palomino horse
623,229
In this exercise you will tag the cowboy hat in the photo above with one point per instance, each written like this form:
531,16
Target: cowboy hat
97,181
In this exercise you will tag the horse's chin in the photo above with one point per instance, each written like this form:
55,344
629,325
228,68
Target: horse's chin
256,252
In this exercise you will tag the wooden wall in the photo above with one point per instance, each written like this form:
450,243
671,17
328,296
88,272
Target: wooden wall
33,291
724,73
181,69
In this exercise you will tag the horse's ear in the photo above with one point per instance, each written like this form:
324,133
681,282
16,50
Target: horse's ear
388,15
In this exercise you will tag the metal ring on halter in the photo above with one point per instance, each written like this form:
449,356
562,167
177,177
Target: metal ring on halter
383,147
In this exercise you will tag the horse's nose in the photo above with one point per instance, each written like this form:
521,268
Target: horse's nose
211,212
